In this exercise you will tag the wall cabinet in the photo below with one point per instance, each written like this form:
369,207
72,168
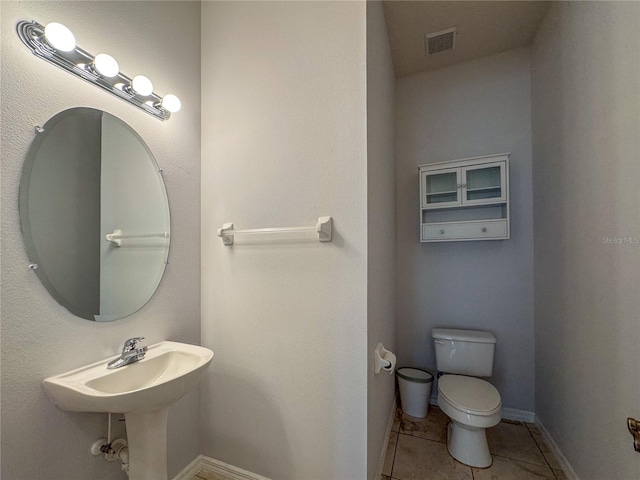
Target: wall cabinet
465,199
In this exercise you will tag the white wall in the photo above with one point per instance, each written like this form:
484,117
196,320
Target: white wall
39,337
381,220
586,121
475,108
284,141
64,236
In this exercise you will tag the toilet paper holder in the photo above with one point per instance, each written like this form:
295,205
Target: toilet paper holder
384,359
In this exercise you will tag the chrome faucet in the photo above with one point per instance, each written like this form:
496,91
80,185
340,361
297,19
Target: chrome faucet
130,353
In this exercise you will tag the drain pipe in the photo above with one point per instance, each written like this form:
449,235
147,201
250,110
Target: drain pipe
112,451
117,449
122,454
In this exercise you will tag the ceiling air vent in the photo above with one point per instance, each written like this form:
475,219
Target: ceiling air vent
440,41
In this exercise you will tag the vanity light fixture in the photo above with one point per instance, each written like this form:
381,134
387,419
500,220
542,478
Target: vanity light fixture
141,85
105,65
171,103
59,37
56,44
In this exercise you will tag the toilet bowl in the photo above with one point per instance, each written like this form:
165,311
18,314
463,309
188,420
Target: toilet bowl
473,405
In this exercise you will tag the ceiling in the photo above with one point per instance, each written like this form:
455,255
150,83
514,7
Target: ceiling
484,28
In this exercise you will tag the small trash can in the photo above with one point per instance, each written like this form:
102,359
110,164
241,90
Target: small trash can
415,390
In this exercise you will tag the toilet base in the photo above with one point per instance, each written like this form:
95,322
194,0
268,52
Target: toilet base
468,445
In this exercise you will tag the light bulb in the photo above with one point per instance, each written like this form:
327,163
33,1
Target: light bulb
142,85
171,103
106,65
60,37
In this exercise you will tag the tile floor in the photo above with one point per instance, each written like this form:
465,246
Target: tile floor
418,451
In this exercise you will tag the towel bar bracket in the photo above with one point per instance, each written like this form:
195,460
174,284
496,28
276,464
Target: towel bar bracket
223,233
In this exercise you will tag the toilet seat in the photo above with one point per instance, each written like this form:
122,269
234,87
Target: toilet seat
469,395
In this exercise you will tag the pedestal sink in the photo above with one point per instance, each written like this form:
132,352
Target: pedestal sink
143,391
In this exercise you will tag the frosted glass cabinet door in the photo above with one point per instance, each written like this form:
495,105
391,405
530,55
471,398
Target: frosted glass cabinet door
484,183
441,188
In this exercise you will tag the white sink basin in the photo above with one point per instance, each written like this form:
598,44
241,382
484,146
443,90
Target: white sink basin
168,371
143,391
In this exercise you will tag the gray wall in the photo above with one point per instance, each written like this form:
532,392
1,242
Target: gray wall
62,221
284,142
39,337
476,108
586,150
381,220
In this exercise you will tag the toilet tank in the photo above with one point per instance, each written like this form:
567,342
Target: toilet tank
465,352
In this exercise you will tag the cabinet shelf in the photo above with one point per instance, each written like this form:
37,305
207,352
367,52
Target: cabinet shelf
442,193
480,212
487,201
484,189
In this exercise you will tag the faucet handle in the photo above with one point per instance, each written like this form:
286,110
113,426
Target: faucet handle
131,343
141,352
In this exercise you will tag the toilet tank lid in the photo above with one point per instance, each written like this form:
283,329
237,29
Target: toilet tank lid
475,336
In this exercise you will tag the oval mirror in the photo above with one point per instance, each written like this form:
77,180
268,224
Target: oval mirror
94,214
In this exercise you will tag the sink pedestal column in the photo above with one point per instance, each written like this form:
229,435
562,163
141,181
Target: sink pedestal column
147,439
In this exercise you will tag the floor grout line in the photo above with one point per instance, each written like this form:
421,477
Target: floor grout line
418,436
524,461
543,455
395,451
422,438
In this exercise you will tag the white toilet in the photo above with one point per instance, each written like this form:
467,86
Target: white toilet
472,404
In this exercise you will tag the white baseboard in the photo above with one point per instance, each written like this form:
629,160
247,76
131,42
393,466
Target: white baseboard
216,466
385,443
564,463
507,413
190,470
519,415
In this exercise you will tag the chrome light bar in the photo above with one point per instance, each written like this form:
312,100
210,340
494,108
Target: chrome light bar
81,63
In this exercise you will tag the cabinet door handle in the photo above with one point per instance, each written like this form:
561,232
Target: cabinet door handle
484,229
463,185
441,232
